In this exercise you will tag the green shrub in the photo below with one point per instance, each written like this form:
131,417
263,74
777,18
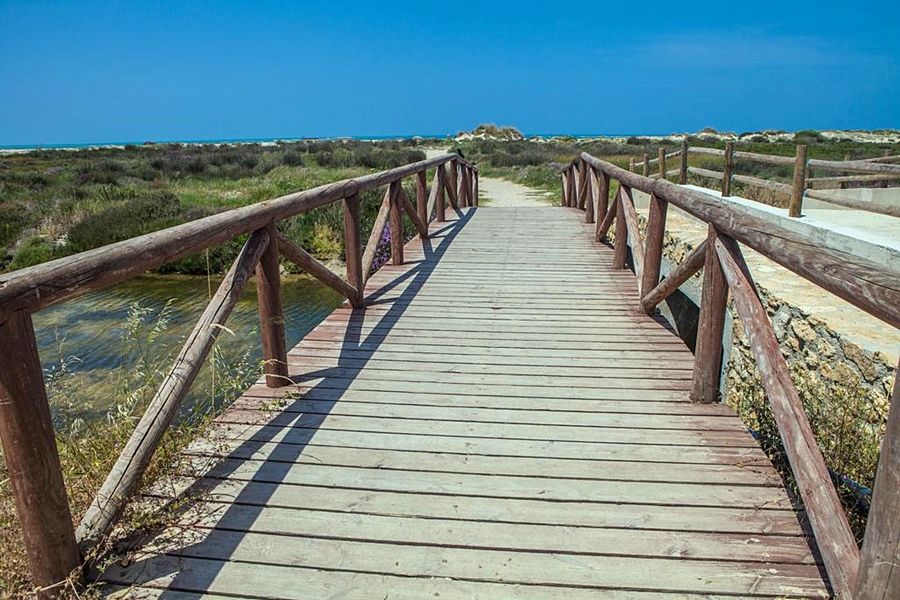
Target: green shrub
13,219
33,251
145,212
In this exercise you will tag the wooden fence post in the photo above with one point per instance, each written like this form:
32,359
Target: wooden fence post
452,177
656,229
573,187
440,205
708,351
475,189
32,460
682,175
631,165
728,171
271,316
396,221
799,182
646,172
602,203
352,247
564,198
422,197
589,187
463,186
879,565
620,244
662,163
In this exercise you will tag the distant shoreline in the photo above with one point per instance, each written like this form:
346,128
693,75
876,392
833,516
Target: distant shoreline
860,135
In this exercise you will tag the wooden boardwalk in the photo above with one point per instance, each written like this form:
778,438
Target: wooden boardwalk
501,422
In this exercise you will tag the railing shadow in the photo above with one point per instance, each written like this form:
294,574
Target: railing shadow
292,427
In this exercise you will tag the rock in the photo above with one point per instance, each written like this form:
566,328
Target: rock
802,330
860,359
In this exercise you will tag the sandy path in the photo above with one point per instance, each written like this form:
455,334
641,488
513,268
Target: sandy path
499,192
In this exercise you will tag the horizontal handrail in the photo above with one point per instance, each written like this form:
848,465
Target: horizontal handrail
40,286
835,264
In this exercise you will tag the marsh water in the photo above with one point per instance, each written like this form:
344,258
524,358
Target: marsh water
97,348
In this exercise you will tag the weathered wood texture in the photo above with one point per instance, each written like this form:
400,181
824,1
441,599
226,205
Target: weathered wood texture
879,567
656,229
870,285
129,468
713,301
378,228
32,461
799,182
823,507
515,446
727,168
353,248
271,315
396,223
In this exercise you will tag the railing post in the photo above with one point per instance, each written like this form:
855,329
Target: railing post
646,172
708,352
589,185
396,221
656,229
631,164
799,182
573,187
683,173
422,198
462,188
32,460
271,317
602,203
879,565
620,244
353,249
728,170
452,181
440,204
475,189
662,162
564,182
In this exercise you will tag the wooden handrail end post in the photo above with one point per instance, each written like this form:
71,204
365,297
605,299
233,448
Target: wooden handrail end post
271,316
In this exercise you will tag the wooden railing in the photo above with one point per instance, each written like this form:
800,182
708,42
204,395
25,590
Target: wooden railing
872,170
53,546
870,285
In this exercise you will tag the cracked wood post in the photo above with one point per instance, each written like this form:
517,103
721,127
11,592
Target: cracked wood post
589,187
440,206
662,162
646,172
683,172
799,186
620,244
602,202
396,222
728,171
475,189
352,248
271,316
32,460
708,352
422,199
656,229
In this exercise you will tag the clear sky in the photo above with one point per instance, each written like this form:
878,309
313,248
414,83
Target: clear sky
85,71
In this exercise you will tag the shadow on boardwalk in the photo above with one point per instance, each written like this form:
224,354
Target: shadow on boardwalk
294,429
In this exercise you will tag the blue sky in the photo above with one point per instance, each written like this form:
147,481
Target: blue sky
115,71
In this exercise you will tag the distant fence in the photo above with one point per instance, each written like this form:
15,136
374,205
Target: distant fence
867,171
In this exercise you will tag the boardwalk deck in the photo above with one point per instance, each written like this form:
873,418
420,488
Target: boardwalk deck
501,422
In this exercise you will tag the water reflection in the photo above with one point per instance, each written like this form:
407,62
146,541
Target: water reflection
87,333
